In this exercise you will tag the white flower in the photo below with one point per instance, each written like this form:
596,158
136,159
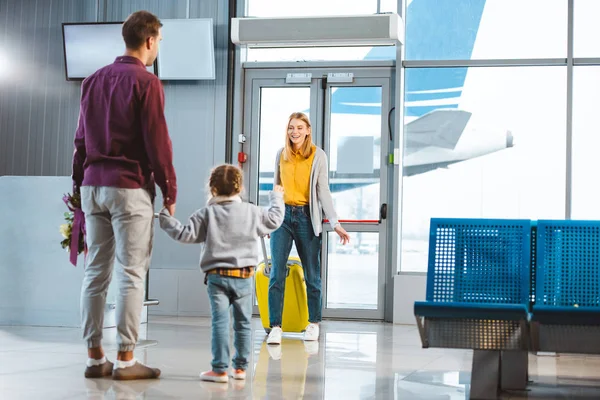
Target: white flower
65,230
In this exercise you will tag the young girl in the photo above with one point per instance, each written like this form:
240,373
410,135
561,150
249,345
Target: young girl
230,229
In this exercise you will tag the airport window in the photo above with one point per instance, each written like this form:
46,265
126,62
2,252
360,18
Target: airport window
586,142
486,29
355,151
586,28
505,154
501,153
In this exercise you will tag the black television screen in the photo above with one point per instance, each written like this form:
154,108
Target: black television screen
91,46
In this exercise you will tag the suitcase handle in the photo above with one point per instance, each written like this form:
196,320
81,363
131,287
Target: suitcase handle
266,257
267,263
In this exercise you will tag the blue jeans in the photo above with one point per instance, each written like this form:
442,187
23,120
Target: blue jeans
224,292
296,227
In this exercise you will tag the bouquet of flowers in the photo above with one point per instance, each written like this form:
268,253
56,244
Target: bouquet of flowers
73,231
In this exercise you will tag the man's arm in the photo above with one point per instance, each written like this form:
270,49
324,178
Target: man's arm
78,155
157,141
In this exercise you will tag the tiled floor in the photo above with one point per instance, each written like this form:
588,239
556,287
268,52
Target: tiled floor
352,361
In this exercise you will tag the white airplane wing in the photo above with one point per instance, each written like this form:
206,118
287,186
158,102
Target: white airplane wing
438,128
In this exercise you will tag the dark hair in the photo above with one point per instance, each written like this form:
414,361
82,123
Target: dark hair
138,27
225,180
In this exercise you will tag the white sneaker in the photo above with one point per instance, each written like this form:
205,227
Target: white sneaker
275,336
311,348
211,376
311,333
238,374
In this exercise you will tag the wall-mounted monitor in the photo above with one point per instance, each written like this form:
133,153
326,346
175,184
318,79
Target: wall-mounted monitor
187,51
91,46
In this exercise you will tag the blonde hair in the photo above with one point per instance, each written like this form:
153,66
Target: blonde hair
306,148
226,180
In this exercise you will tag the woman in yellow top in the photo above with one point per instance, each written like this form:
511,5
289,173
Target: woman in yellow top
301,168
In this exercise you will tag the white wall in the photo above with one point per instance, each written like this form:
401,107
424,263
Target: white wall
408,288
181,292
38,117
38,285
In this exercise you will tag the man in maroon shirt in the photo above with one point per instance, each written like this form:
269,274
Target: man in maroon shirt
121,147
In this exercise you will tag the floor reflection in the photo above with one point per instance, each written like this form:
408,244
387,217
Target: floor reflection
353,360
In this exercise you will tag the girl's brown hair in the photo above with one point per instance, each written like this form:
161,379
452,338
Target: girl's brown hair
226,180
306,148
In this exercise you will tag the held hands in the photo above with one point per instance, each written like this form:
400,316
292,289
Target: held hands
276,189
344,237
170,209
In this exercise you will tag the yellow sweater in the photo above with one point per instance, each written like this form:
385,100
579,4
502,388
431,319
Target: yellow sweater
295,178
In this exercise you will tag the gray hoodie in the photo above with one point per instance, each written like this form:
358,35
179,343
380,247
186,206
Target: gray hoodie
229,228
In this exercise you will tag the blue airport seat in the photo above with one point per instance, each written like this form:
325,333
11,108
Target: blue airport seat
478,284
566,312
509,312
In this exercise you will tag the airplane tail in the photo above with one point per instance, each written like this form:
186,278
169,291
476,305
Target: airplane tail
439,128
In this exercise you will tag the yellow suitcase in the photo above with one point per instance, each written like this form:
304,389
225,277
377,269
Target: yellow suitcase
295,307
288,372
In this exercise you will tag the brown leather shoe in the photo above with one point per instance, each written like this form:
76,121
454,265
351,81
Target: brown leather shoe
137,371
99,371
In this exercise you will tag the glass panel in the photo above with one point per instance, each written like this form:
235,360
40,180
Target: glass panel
586,28
355,151
308,8
586,141
353,271
484,29
481,143
276,105
347,53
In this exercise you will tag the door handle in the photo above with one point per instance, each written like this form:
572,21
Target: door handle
382,212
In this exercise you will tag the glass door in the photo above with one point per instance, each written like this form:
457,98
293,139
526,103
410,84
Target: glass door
350,123
356,142
271,101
